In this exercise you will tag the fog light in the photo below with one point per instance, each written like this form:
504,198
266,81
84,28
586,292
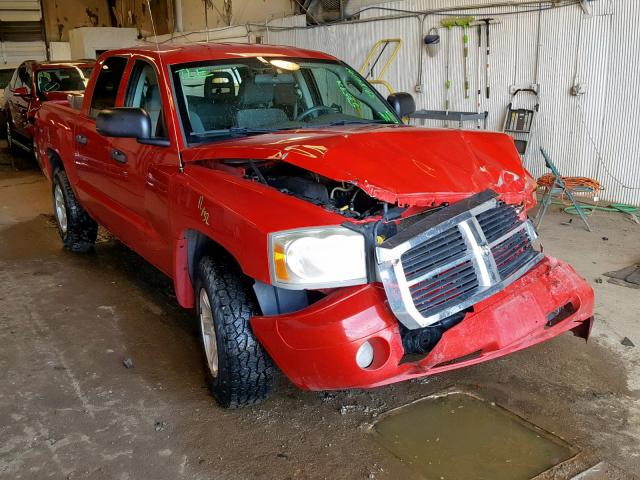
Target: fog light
364,355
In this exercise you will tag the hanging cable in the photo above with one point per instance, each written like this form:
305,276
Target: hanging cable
599,153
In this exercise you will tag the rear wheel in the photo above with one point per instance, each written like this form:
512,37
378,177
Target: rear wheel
77,229
239,371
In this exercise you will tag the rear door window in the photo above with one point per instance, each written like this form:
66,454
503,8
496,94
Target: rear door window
107,85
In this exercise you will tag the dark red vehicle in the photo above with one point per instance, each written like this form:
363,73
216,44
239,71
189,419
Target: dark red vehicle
305,223
32,84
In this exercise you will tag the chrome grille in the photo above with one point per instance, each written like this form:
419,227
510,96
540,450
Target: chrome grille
433,253
454,258
444,289
498,221
512,253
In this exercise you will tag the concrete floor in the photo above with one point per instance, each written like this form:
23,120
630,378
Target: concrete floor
69,408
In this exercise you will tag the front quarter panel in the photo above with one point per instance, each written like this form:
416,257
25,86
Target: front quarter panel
239,214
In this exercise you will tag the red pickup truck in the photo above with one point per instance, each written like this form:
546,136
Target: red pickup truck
308,226
32,84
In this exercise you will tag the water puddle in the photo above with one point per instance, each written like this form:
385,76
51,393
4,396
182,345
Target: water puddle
458,436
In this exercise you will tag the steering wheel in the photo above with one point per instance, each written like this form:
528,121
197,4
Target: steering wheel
309,111
51,86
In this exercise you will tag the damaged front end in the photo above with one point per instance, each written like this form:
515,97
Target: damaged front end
434,264
439,267
392,292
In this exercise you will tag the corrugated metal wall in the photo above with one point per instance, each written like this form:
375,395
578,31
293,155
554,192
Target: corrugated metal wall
21,32
600,50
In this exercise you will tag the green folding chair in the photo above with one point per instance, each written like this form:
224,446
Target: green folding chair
558,185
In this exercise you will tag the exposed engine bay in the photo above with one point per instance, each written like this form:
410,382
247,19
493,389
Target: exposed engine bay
344,198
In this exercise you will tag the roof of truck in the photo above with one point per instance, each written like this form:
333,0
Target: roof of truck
172,53
42,65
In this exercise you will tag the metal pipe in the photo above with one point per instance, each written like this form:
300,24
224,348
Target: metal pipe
538,46
177,15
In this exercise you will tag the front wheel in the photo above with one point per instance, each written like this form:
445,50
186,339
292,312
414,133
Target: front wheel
239,371
77,229
10,136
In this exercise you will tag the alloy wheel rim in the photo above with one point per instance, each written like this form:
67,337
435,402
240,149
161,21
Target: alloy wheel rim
61,209
208,333
9,139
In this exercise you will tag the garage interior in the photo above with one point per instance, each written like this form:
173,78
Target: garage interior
102,374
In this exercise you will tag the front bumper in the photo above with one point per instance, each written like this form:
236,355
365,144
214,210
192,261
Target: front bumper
316,347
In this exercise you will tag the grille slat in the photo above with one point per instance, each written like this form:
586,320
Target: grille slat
432,288
447,291
455,244
512,253
439,292
433,254
426,312
497,227
443,256
448,237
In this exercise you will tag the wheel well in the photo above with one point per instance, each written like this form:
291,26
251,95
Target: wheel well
55,162
200,245
272,300
190,249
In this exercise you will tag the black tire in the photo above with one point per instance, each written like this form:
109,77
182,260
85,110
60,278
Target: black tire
81,230
244,370
10,134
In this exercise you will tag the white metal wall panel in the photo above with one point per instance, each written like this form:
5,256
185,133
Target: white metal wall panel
20,11
235,34
600,50
14,53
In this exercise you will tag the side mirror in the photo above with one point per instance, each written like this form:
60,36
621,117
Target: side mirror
22,92
403,103
124,122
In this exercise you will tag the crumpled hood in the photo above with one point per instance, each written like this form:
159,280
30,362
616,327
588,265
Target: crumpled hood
407,165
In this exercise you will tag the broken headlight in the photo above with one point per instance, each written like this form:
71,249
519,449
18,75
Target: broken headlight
322,257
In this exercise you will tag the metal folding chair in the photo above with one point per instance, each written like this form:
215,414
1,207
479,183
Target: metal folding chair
558,183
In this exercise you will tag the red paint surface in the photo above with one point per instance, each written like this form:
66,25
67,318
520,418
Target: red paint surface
150,206
316,348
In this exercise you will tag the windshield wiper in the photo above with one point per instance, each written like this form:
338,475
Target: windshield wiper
233,131
348,122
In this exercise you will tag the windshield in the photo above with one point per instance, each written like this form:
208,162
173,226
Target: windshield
255,95
86,71
5,77
60,80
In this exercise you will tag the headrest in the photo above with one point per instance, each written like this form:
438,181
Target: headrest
219,86
152,98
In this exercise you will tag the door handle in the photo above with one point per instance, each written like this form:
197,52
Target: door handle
118,156
81,139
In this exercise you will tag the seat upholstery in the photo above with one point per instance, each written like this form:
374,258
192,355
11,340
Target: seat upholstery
261,117
256,96
217,108
153,106
256,108
196,123
285,98
219,88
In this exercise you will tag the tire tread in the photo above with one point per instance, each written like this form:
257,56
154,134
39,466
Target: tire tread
82,230
245,371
